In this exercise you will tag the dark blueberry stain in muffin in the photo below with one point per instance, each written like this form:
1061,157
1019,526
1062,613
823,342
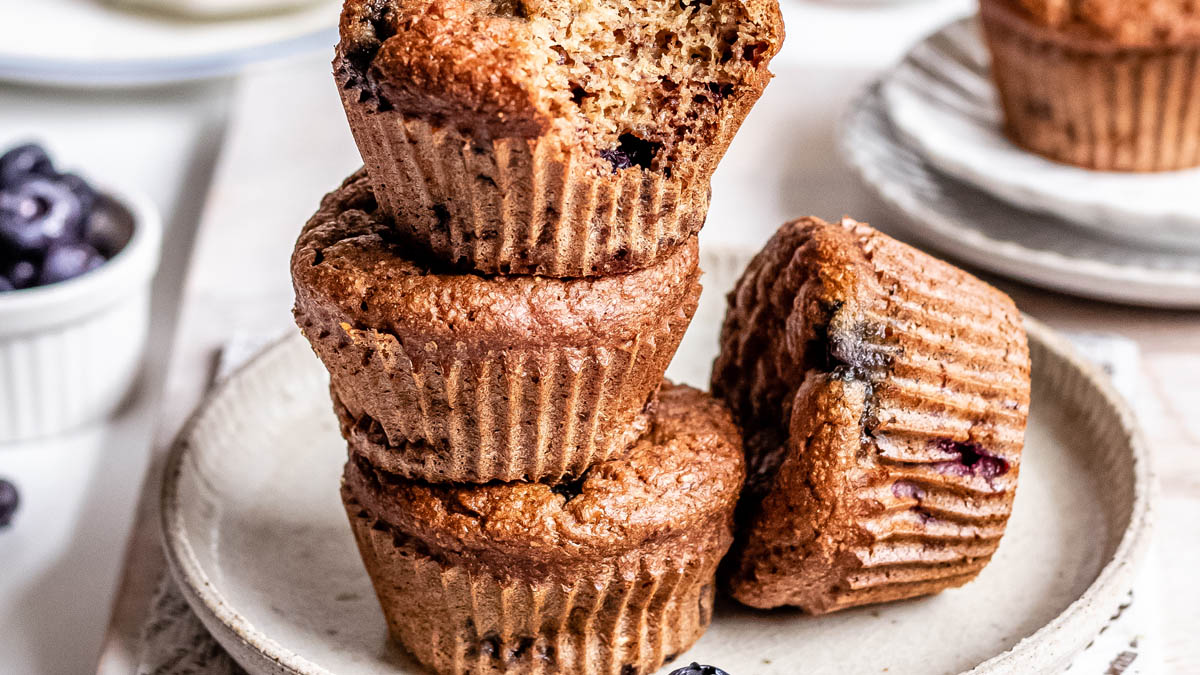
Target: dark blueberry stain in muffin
973,460
568,489
923,514
442,214
631,151
903,489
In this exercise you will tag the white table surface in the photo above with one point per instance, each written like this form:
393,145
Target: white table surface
60,562
287,144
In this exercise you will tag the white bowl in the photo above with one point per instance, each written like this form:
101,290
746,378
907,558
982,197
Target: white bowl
70,352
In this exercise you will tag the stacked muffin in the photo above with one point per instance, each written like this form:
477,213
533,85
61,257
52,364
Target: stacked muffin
497,296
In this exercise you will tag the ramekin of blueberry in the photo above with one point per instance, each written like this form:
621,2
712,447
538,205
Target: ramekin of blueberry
76,265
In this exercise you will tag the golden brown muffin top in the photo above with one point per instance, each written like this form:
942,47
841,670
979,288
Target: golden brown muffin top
349,261
684,473
1126,22
589,70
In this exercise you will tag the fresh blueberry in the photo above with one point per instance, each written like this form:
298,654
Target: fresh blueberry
105,231
9,500
37,213
697,669
24,161
83,191
67,261
22,273
6,285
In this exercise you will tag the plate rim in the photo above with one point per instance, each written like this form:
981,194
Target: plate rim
1114,580
1083,277
1170,221
149,72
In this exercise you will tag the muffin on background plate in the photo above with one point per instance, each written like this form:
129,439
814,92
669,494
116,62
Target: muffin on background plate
1102,84
452,377
883,396
612,573
555,138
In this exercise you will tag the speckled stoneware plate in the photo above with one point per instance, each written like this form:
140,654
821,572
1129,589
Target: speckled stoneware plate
943,103
257,538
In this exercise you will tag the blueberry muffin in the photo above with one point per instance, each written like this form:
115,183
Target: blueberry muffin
883,396
610,574
444,376
1101,84
554,138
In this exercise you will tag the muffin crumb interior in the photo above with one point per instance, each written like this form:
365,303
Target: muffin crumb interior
639,82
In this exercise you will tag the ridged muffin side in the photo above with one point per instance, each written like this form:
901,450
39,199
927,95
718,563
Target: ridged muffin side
470,378
559,139
884,396
612,574
1107,85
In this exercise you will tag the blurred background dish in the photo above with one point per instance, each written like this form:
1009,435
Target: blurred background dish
90,43
214,8
956,218
943,103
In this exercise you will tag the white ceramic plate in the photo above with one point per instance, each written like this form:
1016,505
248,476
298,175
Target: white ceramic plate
991,234
258,540
92,43
943,103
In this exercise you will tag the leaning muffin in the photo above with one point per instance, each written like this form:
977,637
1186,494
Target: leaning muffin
1101,84
612,573
553,138
883,396
443,376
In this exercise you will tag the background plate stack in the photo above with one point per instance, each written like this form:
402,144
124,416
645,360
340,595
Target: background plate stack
928,138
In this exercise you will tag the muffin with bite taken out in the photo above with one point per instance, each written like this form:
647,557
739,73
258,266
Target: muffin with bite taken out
555,138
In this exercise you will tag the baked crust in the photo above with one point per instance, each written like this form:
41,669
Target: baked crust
684,473
613,573
492,68
540,137
467,378
1129,23
883,396
349,262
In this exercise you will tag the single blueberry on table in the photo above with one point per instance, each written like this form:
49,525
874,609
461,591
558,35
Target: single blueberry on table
67,261
9,500
39,213
697,669
5,284
23,162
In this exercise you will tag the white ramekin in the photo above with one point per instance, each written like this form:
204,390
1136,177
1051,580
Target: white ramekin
70,352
